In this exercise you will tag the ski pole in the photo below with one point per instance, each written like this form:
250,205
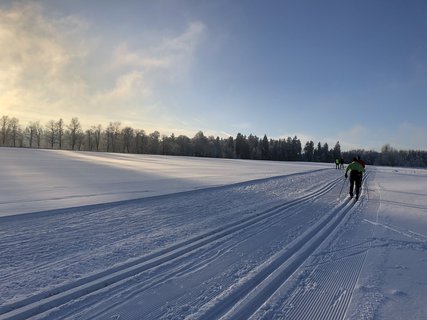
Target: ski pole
342,187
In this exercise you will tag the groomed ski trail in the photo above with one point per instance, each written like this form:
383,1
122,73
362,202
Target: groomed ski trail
53,298
254,290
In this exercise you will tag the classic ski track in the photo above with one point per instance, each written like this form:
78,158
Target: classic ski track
186,267
334,280
256,288
53,298
323,306
330,285
166,222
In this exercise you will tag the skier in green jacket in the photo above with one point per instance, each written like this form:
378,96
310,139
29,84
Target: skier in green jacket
356,174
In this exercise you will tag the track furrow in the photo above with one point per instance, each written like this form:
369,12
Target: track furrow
332,284
42,302
255,289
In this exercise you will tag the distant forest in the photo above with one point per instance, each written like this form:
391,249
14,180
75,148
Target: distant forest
115,138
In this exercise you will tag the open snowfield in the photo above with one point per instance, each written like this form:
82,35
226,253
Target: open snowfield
118,236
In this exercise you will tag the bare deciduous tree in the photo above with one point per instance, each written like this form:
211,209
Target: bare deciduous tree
60,132
97,135
75,131
128,139
5,129
16,132
51,133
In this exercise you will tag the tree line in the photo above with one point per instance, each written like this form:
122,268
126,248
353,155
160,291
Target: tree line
125,139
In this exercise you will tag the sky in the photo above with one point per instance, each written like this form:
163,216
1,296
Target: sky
328,71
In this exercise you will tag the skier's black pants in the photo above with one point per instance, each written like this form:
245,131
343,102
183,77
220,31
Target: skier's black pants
355,179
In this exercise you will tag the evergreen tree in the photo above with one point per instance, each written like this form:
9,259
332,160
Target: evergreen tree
154,142
337,151
296,149
309,151
265,148
253,142
229,148
184,146
325,153
242,147
201,144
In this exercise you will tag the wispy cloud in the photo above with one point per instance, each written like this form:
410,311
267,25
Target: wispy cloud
50,68
125,57
40,59
127,86
171,55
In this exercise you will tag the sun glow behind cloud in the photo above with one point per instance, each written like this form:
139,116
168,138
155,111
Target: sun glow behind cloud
48,70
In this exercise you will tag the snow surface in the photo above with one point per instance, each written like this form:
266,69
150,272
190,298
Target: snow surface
117,236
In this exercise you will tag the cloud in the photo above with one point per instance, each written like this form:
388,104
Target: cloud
142,75
39,61
53,67
171,55
38,49
123,56
127,86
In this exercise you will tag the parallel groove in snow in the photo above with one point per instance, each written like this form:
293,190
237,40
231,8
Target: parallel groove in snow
331,286
254,292
54,298
316,304
202,296
250,294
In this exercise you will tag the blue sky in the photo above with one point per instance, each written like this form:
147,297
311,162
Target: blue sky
348,71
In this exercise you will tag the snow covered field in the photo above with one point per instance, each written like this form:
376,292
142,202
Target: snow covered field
118,236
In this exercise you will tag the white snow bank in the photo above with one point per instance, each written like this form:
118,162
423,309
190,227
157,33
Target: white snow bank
37,180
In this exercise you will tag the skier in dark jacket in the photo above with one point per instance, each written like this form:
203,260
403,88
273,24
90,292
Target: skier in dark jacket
361,161
356,174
